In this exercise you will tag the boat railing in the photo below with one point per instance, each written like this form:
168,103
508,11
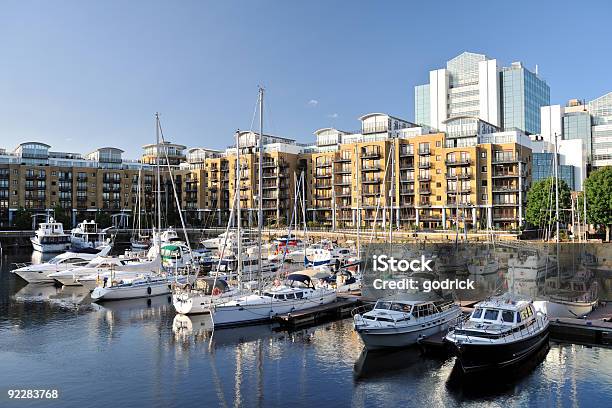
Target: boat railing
17,265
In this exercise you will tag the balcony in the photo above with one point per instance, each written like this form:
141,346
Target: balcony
343,159
453,202
322,165
424,191
367,168
406,191
323,175
505,174
424,165
323,185
343,170
406,166
424,204
460,176
467,190
406,152
424,152
424,178
268,164
430,218
458,162
498,203
322,197
343,194
371,192
505,189
370,154
506,159
406,179
370,180
342,183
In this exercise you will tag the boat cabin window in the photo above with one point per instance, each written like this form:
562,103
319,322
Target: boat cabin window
508,316
423,310
299,295
491,314
398,307
382,305
268,294
290,295
477,313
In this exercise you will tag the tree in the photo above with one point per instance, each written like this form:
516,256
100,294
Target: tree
598,187
103,219
62,215
22,219
540,209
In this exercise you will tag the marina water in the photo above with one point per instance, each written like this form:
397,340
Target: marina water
138,353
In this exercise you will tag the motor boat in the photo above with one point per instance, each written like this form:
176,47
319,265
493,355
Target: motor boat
91,274
298,292
400,321
87,235
178,255
501,331
318,257
483,266
198,297
50,237
140,243
573,297
39,273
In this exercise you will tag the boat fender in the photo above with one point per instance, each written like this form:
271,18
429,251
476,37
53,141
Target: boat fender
148,290
216,292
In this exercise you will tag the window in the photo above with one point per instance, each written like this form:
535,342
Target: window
491,314
439,143
483,197
483,154
484,170
484,184
508,316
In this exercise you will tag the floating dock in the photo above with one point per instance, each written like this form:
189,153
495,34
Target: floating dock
339,309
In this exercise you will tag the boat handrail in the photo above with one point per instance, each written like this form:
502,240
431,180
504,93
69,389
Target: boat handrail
17,265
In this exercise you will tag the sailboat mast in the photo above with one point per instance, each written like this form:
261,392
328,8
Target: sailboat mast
260,184
158,170
556,188
238,221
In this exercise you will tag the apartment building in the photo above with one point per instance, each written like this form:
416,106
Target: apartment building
474,176
280,172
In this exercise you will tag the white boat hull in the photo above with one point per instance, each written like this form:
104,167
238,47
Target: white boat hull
393,337
35,276
140,290
196,303
233,315
559,308
49,248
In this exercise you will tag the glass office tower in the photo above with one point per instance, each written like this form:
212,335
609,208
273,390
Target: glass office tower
523,94
543,168
421,105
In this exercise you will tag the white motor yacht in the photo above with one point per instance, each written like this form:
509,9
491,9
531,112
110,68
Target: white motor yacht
91,274
401,321
501,331
50,237
39,273
87,235
297,293
133,288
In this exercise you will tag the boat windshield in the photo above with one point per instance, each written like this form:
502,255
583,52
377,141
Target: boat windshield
491,314
398,307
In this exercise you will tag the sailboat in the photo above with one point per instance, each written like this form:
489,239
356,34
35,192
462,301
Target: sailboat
576,296
298,292
148,285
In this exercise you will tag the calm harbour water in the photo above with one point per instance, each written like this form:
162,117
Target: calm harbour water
137,353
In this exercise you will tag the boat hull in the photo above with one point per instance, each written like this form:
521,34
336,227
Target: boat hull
560,308
35,276
235,315
376,339
100,294
480,357
49,248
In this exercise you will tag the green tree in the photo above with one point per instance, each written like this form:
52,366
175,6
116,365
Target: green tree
540,209
22,219
62,215
598,188
103,219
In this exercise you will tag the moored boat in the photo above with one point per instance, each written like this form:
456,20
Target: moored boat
401,321
501,331
50,237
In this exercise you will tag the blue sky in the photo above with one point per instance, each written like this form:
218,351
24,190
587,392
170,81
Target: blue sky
80,75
